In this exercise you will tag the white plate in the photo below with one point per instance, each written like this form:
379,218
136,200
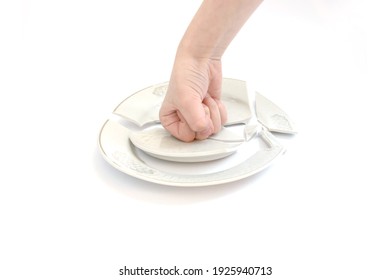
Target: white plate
120,152
158,142
162,159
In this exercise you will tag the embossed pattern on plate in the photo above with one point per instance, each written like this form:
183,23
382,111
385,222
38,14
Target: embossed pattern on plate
273,117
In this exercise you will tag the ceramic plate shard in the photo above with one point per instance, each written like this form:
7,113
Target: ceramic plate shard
142,108
157,142
272,116
235,97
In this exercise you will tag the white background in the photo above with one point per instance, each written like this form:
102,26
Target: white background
321,212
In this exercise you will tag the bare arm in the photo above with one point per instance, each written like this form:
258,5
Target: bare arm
215,25
192,108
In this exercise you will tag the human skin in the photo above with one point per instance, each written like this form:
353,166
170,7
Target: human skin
192,108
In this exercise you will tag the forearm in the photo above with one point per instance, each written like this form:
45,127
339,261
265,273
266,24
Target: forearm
214,26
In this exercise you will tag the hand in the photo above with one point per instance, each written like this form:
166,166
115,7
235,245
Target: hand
192,108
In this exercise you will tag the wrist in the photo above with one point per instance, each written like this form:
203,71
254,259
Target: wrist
197,50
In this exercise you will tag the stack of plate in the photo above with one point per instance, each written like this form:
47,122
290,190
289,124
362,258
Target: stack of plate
134,142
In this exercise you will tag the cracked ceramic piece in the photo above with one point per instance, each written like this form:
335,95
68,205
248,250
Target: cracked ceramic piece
272,116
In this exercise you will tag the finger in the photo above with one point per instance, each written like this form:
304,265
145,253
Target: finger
175,124
184,131
194,114
181,131
205,133
222,111
215,115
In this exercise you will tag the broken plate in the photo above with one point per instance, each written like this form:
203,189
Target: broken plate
273,117
134,142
